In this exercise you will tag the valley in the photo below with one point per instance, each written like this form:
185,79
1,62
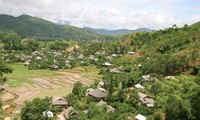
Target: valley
52,71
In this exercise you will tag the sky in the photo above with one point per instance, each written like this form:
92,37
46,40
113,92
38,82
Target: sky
108,14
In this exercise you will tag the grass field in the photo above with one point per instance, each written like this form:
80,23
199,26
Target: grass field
28,84
21,75
86,71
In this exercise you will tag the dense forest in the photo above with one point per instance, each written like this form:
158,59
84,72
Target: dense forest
155,74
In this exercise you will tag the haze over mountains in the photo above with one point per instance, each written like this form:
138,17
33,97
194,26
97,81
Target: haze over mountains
29,26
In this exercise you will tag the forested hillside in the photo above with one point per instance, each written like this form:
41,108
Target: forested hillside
116,32
28,26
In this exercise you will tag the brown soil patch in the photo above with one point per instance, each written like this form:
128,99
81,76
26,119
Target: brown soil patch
25,96
70,49
7,96
5,107
8,118
72,78
9,110
42,82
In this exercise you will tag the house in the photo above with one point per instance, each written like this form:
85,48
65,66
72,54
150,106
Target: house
99,53
27,63
101,84
148,78
86,111
148,101
139,86
98,93
109,108
109,57
131,53
169,77
48,114
89,89
69,112
70,57
114,55
57,54
54,67
101,103
115,70
140,117
92,57
38,58
81,56
139,65
2,88
107,64
143,98
138,54
60,102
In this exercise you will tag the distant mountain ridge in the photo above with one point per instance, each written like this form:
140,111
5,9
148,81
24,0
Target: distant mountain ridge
35,27
116,32
26,25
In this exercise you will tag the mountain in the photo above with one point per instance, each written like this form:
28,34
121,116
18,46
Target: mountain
29,26
116,32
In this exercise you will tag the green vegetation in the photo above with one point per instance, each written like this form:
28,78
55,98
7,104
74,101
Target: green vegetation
28,26
22,75
116,32
33,110
165,63
4,69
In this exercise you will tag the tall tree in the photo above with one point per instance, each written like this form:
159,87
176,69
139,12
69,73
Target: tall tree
78,89
4,69
178,109
195,105
33,109
156,88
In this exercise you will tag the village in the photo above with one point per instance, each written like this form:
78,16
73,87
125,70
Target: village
61,72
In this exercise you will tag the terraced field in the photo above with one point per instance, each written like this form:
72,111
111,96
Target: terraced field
27,84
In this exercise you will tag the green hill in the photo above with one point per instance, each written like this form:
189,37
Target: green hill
116,32
7,34
167,52
25,25
170,40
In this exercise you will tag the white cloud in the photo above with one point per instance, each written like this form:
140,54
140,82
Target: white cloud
110,14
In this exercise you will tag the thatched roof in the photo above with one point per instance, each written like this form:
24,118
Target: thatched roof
100,103
142,95
115,70
107,64
140,117
98,93
101,83
69,111
146,100
139,86
2,88
109,108
59,101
